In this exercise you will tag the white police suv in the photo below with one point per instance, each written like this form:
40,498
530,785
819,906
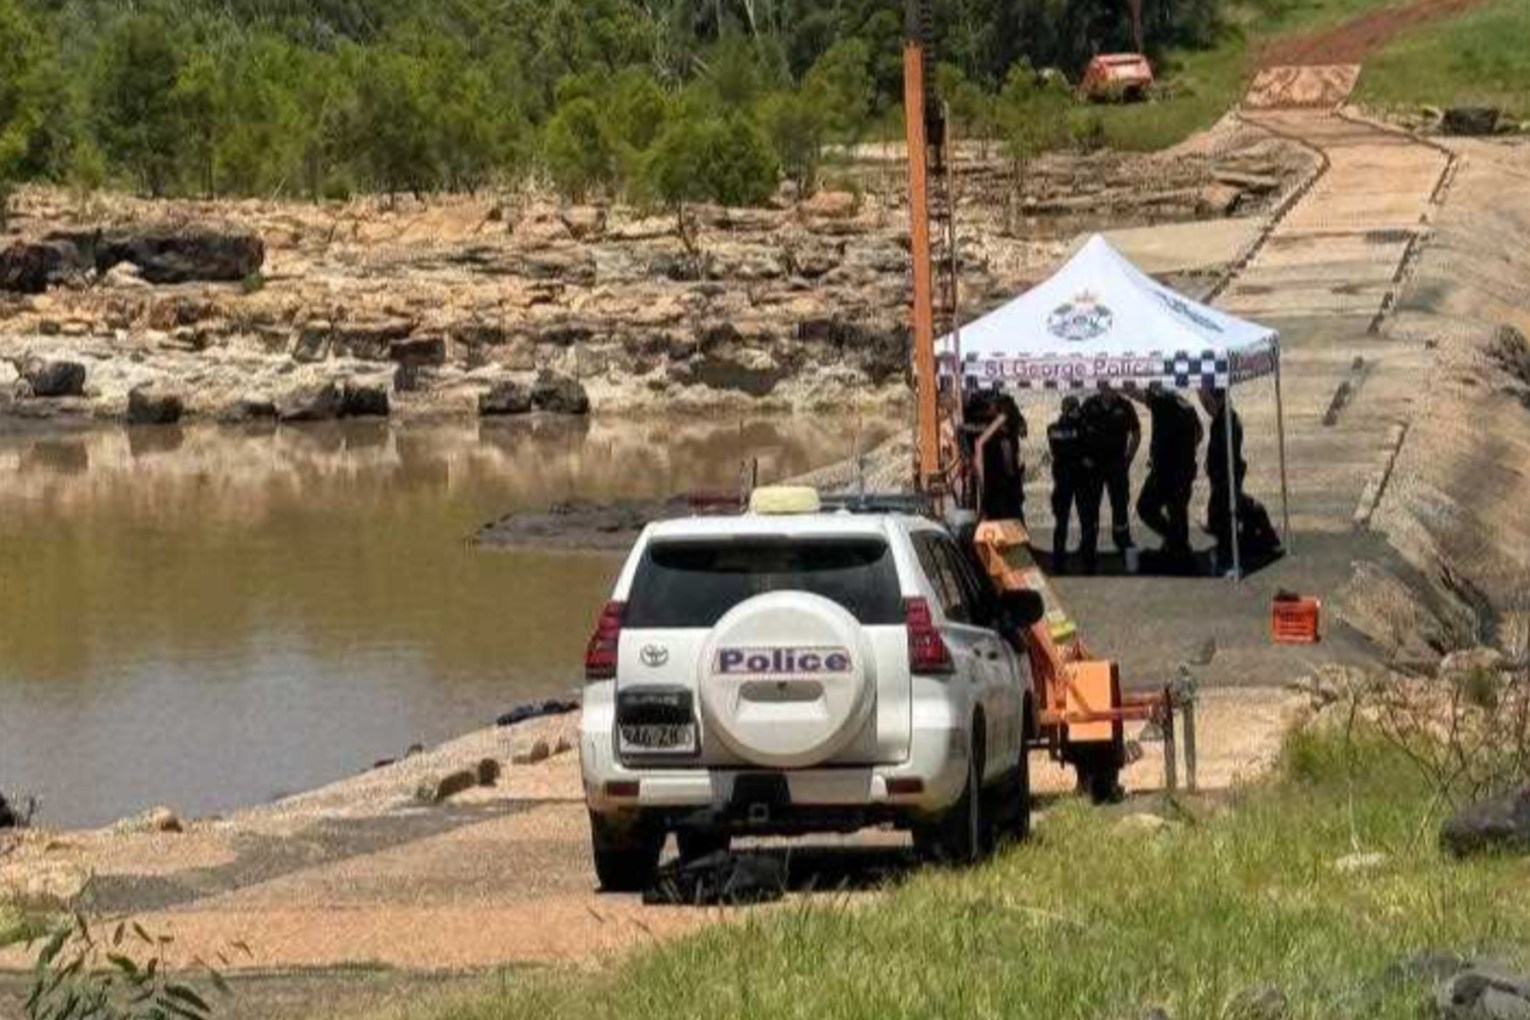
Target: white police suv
808,669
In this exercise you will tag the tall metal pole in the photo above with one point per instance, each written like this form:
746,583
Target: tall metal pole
928,426
1232,483
954,297
1286,538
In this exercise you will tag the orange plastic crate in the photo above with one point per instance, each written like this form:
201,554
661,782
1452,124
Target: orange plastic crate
1296,619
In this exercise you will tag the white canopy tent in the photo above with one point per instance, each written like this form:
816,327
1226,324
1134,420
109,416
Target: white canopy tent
1100,322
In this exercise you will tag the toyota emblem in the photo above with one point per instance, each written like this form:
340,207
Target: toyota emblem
654,655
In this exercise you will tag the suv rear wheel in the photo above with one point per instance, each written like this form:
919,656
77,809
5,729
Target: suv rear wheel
626,857
963,834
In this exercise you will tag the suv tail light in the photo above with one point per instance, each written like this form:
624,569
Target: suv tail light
600,655
927,651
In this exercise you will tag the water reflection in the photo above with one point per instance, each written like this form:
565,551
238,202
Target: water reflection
208,617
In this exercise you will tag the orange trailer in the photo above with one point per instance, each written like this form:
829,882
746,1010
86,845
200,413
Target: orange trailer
1081,708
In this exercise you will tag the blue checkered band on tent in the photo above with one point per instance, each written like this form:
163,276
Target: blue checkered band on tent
1181,370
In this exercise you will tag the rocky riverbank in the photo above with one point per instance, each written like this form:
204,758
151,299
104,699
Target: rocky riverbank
505,306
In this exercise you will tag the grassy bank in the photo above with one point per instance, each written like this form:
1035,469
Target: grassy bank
1097,919
1481,57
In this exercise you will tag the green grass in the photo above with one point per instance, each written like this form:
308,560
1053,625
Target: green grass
19,925
1093,922
1482,57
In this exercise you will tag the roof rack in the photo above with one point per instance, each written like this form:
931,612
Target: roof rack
915,504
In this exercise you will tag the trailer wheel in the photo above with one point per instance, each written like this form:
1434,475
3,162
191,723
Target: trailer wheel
1099,774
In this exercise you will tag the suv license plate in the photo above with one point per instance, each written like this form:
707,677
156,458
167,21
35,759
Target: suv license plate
658,738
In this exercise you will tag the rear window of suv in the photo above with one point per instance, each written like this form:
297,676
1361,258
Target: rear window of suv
694,583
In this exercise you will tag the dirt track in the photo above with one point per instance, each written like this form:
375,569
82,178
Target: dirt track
1353,41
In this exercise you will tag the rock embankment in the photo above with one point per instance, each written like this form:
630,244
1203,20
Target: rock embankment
1454,505
506,307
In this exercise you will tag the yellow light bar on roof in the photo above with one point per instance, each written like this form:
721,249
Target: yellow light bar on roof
777,500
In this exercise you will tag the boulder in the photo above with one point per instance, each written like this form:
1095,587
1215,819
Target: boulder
8,817
529,754
1218,200
831,205
584,222
477,333
364,400
488,771
505,397
315,402
1500,825
1471,120
152,405
419,351
559,394
313,341
32,267
749,371
53,378
1483,992
157,819
370,340
125,276
435,789
171,255
248,409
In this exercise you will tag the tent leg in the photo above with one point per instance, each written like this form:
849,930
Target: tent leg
1285,495
1232,485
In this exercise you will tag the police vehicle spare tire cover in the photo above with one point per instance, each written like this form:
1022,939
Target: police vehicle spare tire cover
786,680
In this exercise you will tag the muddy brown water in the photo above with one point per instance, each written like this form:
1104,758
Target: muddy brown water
208,618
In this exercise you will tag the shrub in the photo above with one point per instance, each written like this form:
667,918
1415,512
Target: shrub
83,974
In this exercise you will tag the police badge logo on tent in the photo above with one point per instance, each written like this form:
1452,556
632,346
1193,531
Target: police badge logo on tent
1081,319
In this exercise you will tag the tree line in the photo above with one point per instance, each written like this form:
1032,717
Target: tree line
664,100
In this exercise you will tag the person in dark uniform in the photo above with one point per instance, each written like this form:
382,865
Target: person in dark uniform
1115,434
1070,471
1164,503
1002,492
1219,517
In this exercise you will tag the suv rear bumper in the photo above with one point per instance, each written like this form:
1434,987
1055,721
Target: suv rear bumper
929,781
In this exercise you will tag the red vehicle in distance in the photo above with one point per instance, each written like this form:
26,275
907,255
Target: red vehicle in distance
1117,78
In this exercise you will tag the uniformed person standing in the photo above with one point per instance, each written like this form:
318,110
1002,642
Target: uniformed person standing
1070,476
1164,503
1115,434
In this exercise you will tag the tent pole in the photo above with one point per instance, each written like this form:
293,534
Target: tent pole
1232,483
1280,426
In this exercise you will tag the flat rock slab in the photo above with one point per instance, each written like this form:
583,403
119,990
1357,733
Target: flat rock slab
580,525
